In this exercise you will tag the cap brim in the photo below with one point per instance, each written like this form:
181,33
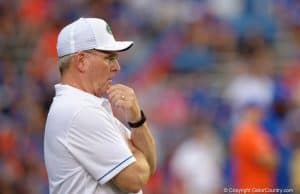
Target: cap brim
118,46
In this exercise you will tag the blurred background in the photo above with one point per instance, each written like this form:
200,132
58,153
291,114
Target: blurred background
219,81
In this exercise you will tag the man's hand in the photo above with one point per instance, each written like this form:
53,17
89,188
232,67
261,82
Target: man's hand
125,107
124,103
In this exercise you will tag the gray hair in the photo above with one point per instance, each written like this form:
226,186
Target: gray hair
64,63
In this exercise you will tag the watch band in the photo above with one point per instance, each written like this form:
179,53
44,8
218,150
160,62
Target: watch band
139,123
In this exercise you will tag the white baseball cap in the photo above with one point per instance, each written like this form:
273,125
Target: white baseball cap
88,33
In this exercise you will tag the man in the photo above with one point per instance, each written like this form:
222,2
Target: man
253,155
87,149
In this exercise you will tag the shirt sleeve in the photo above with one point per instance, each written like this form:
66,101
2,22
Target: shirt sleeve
96,142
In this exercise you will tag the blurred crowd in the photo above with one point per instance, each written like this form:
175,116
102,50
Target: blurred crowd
219,81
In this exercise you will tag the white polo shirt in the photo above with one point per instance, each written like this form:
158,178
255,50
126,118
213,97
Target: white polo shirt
85,146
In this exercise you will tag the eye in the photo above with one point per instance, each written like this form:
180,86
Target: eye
112,58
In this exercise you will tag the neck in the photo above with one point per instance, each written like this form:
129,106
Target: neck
75,82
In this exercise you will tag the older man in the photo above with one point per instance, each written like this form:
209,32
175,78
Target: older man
88,150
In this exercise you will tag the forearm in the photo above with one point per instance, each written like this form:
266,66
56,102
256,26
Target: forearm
134,177
125,107
143,140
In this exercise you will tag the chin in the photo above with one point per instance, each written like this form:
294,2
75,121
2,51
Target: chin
100,93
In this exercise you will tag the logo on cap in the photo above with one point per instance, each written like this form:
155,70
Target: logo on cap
108,29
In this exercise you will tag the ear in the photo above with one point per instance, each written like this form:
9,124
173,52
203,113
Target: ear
81,62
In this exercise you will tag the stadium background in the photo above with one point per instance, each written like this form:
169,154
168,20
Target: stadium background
195,65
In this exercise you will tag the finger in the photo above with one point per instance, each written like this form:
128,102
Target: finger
116,87
124,93
125,105
123,88
113,98
116,94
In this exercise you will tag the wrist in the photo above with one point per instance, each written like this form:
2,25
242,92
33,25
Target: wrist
138,123
136,117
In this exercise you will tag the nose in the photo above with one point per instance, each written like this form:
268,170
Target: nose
116,66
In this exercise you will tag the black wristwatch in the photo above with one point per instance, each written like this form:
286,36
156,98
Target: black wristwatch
139,123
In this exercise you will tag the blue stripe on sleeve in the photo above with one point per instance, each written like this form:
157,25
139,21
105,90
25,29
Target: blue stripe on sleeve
114,168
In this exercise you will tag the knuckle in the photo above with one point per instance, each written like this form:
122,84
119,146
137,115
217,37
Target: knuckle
131,91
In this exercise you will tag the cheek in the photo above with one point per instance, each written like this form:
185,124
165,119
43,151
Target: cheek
100,77
99,72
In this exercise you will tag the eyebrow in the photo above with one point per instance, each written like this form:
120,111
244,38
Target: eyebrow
112,55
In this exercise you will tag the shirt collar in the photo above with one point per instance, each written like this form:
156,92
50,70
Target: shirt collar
64,89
